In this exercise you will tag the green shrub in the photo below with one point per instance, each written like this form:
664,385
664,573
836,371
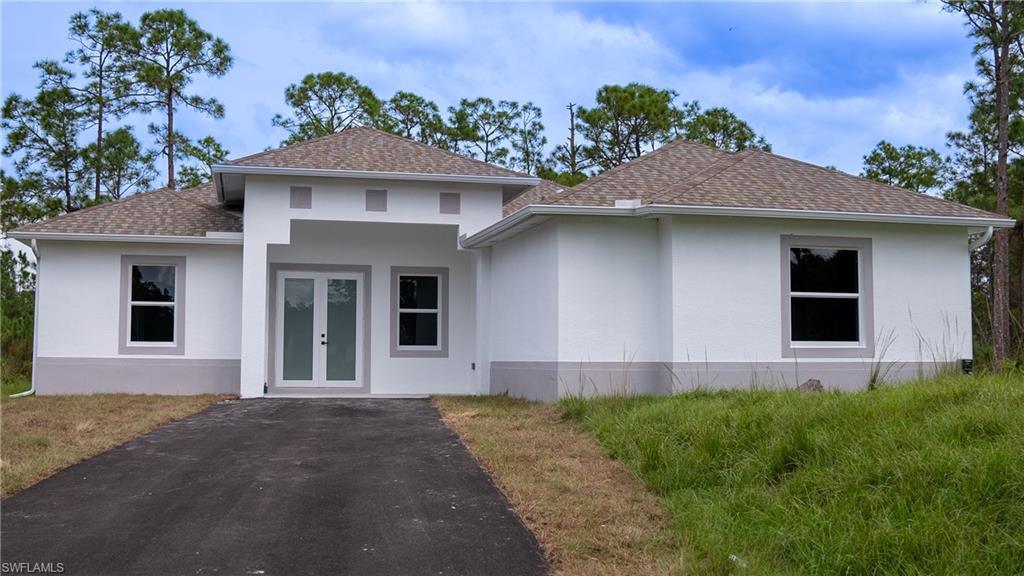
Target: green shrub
17,301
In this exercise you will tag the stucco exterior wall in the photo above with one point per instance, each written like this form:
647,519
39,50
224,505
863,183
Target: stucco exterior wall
79,294
269,221
522,315
608,290
728,288
381,247
659,305
574,305
407,202
524,296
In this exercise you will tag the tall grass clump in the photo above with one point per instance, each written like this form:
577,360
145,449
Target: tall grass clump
919,478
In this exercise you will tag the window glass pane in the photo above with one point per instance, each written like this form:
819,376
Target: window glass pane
152,324
417,329
341,329
825,320
823,270
153,283
297,357
417,292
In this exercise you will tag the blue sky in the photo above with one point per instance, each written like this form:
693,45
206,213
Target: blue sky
823,82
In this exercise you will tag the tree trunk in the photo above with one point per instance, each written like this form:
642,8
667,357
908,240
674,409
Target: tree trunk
68,206
1001,260
573,164
1018,326
99,155
170,139
99,135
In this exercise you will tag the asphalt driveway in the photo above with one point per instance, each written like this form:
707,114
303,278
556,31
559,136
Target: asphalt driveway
276,487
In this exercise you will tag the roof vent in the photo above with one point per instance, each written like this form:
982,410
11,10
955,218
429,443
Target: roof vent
630,203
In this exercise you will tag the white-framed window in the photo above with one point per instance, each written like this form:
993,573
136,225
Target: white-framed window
419,310
152,304
827,300
151,309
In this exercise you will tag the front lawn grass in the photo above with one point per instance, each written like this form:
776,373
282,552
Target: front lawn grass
591,516
41,435
919,478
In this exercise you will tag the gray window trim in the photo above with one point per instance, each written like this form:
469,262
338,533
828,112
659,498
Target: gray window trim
450,203
300,197
376,200
129,260
866,347
443,300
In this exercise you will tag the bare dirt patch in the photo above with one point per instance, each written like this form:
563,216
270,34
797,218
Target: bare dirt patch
590,514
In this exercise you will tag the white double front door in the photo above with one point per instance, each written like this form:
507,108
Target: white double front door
319,340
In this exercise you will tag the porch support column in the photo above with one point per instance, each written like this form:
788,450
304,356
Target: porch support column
482,265
254,318
266,223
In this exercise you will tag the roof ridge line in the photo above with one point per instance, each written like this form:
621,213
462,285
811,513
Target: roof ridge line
722,166
462,156
382,133
293,144
638,160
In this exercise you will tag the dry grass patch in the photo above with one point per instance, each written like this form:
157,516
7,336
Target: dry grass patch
41,435
590,514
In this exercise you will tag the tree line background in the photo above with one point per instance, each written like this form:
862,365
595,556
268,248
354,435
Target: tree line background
73,144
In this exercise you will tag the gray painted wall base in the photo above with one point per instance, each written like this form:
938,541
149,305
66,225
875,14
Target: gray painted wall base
549,381
136,376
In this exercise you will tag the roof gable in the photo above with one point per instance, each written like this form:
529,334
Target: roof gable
756,179
689,174
366,149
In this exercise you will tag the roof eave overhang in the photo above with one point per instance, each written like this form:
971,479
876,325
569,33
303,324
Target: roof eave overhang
223,238
969,221
221,169
524,218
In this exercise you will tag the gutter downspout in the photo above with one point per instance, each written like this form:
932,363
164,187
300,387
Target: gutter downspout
35,328
981,240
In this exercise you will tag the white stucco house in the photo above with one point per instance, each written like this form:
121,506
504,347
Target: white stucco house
363,263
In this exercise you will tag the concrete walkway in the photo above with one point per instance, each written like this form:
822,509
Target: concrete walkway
276,487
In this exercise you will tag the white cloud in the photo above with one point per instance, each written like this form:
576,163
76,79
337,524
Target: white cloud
915,108
551,55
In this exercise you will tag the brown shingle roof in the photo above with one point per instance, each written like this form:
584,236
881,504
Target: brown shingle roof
681,173
542,193
644,176
195,211
689,174
368,149
161,212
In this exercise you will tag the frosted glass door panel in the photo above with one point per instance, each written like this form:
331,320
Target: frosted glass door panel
342,324
299,319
